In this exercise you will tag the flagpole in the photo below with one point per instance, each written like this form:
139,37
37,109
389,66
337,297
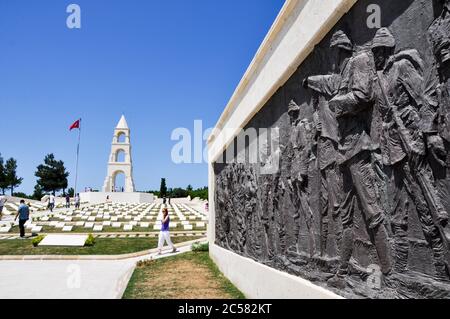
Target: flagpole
78,155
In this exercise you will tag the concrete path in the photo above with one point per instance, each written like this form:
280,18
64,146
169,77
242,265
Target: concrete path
96,279
64,279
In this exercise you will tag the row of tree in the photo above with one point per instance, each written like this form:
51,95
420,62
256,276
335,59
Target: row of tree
51,177
180,192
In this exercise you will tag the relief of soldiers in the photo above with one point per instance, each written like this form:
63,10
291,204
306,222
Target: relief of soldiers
252,220
399,97
274,224
324,88
439,35
300,143
267,215
240,213
353,108
222,202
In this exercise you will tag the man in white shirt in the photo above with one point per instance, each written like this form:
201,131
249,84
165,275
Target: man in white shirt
77,201
3,200
51,202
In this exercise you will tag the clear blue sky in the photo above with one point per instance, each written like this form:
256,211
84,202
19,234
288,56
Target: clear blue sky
162,63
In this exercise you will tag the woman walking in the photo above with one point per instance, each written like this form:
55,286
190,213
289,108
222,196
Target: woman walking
164,235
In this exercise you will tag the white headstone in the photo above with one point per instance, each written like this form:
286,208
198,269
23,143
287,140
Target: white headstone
5,229
64,240
36,229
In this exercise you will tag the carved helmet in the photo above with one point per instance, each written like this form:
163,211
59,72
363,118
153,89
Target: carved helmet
383,38
341,40
439,32
293,107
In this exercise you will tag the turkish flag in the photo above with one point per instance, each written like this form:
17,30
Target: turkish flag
75,125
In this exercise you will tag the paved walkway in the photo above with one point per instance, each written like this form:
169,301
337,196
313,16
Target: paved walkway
73,279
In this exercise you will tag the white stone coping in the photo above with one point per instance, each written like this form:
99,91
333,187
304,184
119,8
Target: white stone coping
258,281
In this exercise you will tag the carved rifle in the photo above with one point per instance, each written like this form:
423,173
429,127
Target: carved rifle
422,180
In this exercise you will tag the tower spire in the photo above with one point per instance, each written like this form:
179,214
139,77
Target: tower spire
120,146
122,123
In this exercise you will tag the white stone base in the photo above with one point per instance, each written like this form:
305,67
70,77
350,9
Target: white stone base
98,198
64,240
258,281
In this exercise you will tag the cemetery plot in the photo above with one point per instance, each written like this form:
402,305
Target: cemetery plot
114,218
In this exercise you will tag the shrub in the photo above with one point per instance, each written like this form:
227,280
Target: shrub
90,241
198,247
36,241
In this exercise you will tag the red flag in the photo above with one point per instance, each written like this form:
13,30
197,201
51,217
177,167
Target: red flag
75,125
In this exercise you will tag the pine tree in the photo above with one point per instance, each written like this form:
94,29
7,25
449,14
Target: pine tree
38,193
12,180
163,188
3,183
52,175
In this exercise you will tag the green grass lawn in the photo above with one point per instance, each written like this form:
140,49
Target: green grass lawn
186,276
103,246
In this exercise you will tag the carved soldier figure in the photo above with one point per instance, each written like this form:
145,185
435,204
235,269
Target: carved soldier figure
399,97
353,108
325,88
300,144
272,191
267,212
250,189
439,34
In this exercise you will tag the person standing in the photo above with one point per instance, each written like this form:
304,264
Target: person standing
3,200
51,202
23,213
164,235
77,201
67,201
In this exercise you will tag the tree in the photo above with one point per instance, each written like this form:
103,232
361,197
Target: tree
38,193
3,183
178,193
52,175
71,192
12,180
189,188
163,188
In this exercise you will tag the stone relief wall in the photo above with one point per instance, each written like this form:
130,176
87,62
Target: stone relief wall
360,203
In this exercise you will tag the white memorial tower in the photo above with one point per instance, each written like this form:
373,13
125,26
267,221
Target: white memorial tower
120,161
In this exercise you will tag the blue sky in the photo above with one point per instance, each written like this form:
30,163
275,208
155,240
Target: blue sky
163,64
